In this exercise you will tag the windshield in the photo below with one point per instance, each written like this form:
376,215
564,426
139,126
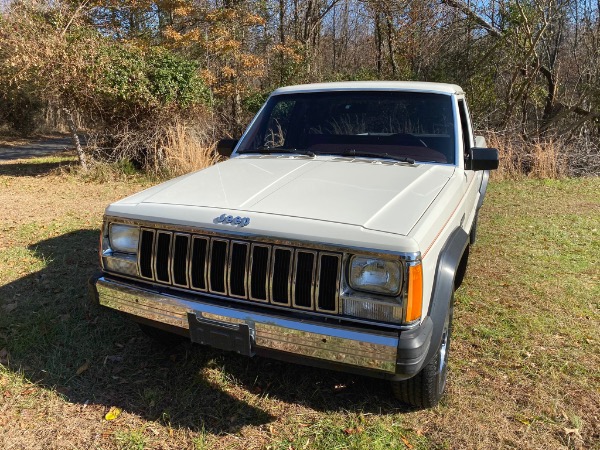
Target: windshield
418,126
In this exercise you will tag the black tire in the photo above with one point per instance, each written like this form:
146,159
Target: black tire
161,337
425,389
462,268
473,235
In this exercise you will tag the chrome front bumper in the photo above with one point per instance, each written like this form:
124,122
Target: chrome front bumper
327,343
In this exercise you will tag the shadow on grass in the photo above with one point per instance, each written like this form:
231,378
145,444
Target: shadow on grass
53,332
32,168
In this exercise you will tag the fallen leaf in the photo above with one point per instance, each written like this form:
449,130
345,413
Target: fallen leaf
28,391
574,431
355,430
9,307
4,356
113,413
63,390
114,358
85,366
408,444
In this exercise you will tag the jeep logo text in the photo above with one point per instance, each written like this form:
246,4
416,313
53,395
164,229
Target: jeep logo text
240,221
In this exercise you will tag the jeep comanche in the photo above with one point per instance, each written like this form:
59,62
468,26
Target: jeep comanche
335,235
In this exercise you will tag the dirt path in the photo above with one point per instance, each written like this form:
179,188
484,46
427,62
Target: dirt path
23,149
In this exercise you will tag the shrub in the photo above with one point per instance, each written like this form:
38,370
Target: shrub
130,81
520,158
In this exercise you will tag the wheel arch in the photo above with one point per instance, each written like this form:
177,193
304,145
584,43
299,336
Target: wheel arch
447,268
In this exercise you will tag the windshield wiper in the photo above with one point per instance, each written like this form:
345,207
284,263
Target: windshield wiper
268,150
353,152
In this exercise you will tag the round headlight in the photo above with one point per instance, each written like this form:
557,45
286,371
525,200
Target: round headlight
123,238
375,275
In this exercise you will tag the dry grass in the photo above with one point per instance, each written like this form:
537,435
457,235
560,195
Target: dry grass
11,141
523,370
163,148
519,159
187,149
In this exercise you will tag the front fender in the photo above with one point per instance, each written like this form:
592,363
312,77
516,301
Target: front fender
443,285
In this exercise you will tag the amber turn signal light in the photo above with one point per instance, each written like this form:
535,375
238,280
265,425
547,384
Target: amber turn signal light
415,293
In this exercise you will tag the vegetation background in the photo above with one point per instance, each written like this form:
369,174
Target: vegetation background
155,83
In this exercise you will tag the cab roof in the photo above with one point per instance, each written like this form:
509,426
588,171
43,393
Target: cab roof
413,86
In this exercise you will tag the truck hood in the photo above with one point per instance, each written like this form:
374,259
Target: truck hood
373,194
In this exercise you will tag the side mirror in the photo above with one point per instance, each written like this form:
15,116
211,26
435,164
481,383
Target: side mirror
225,146
482,159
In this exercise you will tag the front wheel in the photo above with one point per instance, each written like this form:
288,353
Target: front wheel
425,389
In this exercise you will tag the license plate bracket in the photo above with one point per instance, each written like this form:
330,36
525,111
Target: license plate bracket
232,337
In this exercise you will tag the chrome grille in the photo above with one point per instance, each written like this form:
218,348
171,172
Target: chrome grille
258,272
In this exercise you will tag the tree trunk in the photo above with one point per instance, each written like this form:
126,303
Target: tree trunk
391,46
75,137
378,43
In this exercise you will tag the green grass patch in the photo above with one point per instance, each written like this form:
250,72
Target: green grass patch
130,440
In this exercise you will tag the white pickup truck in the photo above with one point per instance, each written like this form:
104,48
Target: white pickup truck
335,235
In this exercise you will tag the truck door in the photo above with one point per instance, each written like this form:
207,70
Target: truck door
471,179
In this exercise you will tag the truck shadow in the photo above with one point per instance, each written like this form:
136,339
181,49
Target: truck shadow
58,339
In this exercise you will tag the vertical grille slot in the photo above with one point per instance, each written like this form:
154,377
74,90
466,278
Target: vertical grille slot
198,265
238,263
218,266
163,252
280,281
180,257
145,253
328,282
304,274
259,272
